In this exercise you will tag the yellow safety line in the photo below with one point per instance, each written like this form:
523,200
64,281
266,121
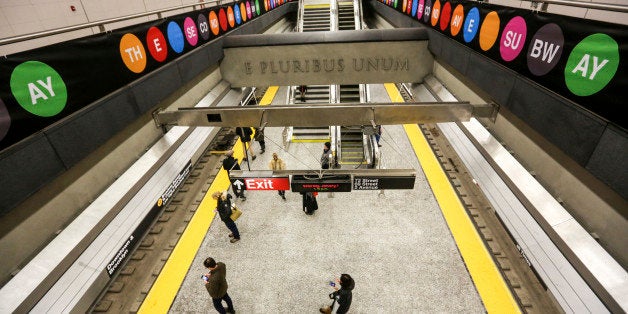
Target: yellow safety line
489,282
167,284
316,6
310,140
269,96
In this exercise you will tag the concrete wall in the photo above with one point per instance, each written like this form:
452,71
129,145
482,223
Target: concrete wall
27,17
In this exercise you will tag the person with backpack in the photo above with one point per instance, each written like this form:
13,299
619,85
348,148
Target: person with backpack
223,207
309,202
230,163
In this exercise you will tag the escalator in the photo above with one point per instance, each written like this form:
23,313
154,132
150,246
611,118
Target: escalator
346,19
315,94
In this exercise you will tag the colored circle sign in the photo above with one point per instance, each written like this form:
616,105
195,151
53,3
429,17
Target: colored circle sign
230,17
243,11
489,31
445,16
265,6
428,11
435,13
213,23
248,10
5,120
471,25
404,5
545,49
237,14
203,26
133,53
175,37
415,6
257,7
222,19
513,38
156,43
457,20
592,64
38,88
191,34
419,10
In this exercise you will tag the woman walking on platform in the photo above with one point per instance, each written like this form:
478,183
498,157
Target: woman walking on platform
223,206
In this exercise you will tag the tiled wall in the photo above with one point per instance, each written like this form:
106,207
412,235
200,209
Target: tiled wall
18,17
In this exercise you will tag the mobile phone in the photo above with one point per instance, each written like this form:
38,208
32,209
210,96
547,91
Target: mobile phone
331,283
204,277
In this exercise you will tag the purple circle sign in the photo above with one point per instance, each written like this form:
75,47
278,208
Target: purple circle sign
545,49
5,120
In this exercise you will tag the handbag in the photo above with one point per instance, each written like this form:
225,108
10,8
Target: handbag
235,213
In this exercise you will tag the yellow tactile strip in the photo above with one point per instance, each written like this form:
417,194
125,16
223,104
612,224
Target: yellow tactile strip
489,282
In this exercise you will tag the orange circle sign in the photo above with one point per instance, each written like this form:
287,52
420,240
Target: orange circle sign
133,53
213,23
489,31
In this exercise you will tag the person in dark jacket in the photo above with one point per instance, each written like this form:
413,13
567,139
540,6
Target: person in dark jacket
230,163
303,90
326,156
216,285
223,206
259,137
309,202
343,296
245,136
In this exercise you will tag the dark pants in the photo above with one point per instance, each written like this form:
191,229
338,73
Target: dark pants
233,228
282,193
218,304
236,191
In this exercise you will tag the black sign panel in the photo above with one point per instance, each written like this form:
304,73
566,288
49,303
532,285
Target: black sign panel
331,183
383,183
129,245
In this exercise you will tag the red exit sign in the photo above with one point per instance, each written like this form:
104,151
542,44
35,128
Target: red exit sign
263,184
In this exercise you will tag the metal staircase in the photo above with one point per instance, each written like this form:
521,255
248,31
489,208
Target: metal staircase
346,20
350,149
314,94
316,18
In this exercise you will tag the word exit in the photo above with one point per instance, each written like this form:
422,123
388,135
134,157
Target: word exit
264,184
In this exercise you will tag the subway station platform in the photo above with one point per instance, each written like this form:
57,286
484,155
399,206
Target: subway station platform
396,244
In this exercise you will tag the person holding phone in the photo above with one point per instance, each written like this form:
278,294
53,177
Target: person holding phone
342,295
216,285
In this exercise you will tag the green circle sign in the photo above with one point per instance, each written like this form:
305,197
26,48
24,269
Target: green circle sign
592,64
38,88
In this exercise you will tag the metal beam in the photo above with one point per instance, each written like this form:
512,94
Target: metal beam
318,115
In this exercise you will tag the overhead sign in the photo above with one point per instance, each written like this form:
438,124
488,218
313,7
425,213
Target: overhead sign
383,183
262,184
331,183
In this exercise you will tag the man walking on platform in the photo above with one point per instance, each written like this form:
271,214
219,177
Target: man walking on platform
216,285
229,164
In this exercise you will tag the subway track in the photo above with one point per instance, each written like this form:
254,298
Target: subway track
128,290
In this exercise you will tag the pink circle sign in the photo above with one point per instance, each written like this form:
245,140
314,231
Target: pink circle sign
513,38
191,34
